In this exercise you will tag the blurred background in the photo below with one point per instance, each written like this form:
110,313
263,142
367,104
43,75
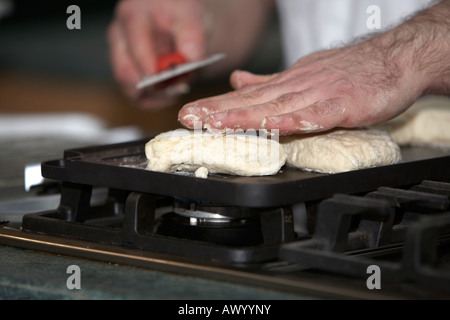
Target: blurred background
44,67
57,89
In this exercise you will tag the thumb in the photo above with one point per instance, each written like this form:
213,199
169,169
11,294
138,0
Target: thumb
240,79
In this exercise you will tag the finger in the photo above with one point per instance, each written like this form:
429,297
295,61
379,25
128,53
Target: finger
124,69
199,110
245,97
252,117
140,43
320,116
247,92
189,34
240,79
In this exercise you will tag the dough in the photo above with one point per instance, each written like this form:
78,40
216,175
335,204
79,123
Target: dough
238,154
341,150
427,122
201,172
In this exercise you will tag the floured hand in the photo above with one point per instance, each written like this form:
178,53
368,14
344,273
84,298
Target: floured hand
358,85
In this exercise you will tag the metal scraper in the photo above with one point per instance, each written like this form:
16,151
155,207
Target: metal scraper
178,70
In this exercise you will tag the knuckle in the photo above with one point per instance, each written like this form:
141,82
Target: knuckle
253,95
289,102
346,87
292,99
325,108
330,109
276,107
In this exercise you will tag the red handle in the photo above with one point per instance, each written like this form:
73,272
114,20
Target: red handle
170,60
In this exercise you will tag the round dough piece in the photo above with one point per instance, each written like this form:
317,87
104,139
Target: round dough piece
237,154
426,123
341,150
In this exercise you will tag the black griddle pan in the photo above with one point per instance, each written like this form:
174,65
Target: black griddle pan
123,166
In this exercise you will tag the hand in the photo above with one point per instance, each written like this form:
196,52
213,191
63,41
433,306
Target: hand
145,29
342,87
358,85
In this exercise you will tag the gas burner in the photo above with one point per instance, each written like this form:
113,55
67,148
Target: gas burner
228,232
212,215
167,225
225,225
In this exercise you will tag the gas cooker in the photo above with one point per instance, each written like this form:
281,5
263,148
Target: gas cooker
373,233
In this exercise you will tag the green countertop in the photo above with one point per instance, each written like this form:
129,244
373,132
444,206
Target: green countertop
29,274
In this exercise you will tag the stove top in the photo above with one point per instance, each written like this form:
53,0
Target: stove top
375,233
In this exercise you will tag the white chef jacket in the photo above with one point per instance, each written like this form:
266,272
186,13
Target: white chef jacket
311,25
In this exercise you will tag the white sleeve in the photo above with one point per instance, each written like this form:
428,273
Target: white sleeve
311,25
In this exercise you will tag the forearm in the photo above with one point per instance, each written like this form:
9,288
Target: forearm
235,27
418,51
435,53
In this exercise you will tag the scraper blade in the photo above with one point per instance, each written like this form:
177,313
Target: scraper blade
178,70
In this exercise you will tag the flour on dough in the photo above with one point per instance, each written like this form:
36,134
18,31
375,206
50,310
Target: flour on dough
427,122
237,154
341,150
